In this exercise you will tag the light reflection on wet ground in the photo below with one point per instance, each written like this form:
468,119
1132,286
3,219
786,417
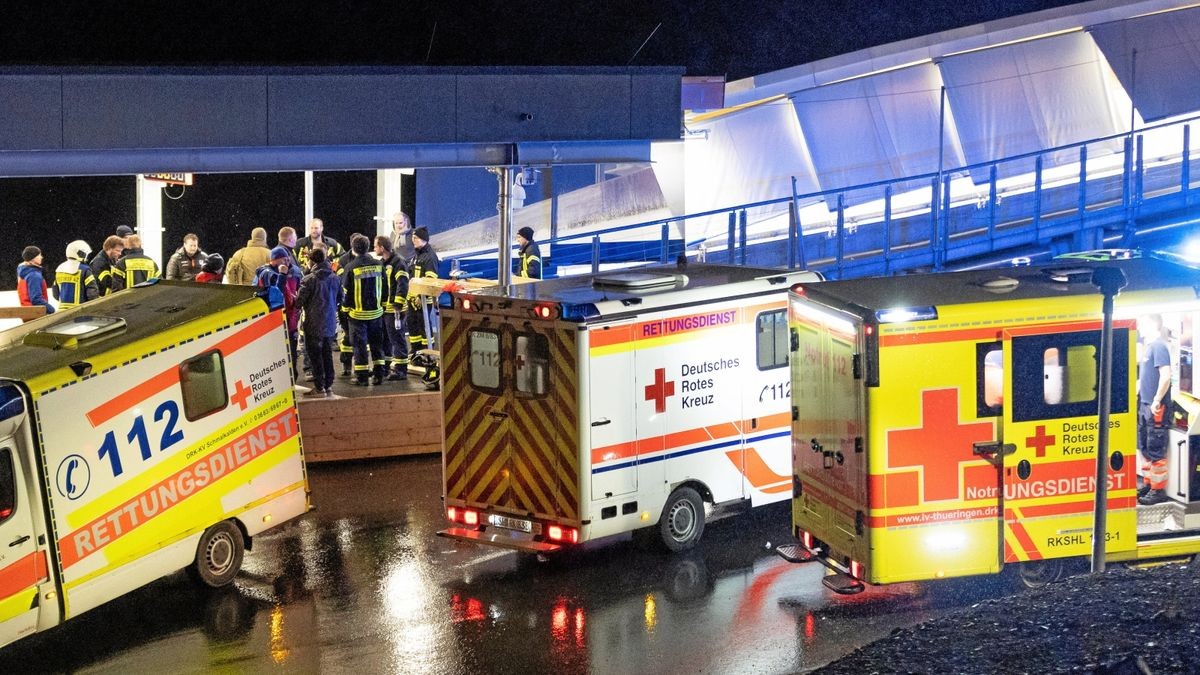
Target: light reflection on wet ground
363,585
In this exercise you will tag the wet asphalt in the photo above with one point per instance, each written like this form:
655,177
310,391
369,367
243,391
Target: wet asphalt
362,584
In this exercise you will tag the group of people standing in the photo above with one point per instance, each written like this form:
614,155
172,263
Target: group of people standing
121,263
363,292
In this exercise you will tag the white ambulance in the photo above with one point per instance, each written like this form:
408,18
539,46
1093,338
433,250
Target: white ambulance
589,406
146,432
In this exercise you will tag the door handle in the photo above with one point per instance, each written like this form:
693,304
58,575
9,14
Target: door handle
993,451
19,540
601,422
498,415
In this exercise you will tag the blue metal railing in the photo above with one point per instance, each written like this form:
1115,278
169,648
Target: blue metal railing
1024,201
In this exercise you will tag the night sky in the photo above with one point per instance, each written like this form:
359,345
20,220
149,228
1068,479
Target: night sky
735,39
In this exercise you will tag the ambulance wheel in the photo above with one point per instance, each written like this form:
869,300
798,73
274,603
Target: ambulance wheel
1039,573
219,555
682,520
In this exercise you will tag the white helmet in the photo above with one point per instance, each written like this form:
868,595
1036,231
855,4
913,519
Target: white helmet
78,250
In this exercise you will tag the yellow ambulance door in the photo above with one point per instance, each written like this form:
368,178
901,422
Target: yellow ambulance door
827,429
22,554
543,458
476,407
1050,428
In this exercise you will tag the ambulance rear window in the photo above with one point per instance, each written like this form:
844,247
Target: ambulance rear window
202,380
484,364
532,364
8,485
771,331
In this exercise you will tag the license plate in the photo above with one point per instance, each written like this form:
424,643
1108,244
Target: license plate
511,523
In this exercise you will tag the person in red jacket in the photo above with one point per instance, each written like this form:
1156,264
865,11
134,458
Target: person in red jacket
213,270
31,281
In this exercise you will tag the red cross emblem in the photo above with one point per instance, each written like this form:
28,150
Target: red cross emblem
1040,441
241,395
939,446
660,390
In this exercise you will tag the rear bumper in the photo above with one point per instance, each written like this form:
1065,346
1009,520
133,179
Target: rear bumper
501,540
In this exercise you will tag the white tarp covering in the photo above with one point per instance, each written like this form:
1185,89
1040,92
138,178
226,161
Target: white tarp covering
744,157
877,128
1168,60
1030,96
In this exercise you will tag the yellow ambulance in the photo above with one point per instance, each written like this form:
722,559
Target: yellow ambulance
945,425
142,433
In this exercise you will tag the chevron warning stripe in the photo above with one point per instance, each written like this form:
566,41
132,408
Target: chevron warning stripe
503,448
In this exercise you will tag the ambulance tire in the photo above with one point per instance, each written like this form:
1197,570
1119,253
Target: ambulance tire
219,555
1039,573
682,520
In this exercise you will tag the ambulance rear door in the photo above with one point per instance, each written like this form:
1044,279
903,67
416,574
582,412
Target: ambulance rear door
1050,435
23,549
827,411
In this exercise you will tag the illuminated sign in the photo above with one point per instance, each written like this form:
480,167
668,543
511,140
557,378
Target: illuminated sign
170,178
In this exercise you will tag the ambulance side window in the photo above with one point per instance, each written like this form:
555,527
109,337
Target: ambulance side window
8,485
1056,375
771,339
532,364
989,379
484,363
202,380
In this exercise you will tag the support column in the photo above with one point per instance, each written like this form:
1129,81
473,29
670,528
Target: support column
302,230
388,198
504,181
149,218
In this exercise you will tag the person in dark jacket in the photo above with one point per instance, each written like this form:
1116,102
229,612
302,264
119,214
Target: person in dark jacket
101,264
31,281
424,266
530,262
395,295
281,272
316,235
135,267
344,346
363,280
319,297
188,260
214,269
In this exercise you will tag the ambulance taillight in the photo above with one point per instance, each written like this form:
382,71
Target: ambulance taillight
467,306
564,534
545,311
452,514
470,517
856,569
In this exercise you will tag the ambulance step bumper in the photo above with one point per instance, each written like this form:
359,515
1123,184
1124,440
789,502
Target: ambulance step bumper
843,584
501,540
795,553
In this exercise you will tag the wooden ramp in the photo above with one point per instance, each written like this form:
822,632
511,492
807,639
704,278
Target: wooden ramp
383,424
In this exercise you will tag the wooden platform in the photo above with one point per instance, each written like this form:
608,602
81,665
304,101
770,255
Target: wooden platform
380,422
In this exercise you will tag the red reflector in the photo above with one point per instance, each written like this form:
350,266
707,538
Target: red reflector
856,569
452,514
470,517
555,532
806,538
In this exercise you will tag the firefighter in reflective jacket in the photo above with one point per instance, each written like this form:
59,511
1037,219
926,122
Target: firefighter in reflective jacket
135,267
531,256
365,286
345,351
396,294
424,265
74,283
